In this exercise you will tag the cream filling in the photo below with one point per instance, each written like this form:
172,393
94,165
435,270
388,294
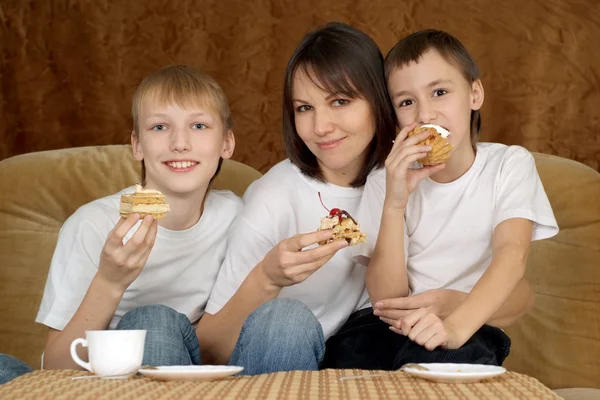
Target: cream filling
145,208
140,189
444,132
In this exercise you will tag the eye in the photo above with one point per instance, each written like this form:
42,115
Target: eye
439,92
159,127
199,126
303,108
340,102
405,103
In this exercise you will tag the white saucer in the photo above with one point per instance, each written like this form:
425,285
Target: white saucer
453,373
191,372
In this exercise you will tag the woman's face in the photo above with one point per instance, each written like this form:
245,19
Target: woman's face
337,129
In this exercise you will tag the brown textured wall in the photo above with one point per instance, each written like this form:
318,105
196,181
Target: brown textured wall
69,67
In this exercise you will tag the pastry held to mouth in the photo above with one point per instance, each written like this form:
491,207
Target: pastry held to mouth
144,202
438,140
342,225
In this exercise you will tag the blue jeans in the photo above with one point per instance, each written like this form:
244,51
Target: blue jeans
280,335
170,337
11,368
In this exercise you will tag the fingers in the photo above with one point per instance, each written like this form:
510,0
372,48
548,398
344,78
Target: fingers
137,240
392,313
407,323
428,171
400,303
124,225
312,255
298,273
300,241
403,134
140,254
389,321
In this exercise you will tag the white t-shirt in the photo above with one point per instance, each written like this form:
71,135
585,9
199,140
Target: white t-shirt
449,226
180,271
281,204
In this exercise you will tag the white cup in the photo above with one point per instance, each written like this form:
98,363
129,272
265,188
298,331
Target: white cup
112,353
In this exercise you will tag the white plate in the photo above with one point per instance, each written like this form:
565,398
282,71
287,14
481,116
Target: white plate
452,373
191,372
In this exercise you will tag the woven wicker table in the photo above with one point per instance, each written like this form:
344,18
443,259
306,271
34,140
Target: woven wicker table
278,386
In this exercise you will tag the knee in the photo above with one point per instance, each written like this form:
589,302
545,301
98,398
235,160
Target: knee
287,318
150,316
11,368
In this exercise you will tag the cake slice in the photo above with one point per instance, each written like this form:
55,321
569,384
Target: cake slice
144,202
343,227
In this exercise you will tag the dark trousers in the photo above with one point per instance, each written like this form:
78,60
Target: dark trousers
366,342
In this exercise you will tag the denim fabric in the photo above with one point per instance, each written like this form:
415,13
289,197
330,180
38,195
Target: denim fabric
280,335
170,338
11,368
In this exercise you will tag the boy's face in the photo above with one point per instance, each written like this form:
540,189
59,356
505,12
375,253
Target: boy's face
433,91
180,147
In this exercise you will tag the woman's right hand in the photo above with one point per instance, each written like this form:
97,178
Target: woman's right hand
120,264
287,264
400,180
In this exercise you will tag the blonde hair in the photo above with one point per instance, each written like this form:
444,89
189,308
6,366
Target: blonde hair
184,86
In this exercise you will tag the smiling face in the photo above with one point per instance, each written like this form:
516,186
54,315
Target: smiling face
337,129
180,145
434,91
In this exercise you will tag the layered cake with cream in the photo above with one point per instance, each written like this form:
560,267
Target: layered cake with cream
144,202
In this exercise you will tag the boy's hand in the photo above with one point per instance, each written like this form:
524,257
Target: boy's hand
428,330
287,264
400,180
441,302
120,264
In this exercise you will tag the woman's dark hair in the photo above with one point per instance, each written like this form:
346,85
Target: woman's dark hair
340,59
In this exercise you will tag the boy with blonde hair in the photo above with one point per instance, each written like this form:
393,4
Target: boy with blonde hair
111,272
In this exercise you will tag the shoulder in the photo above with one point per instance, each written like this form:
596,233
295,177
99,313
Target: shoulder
504,153
102,213
278,182
505,158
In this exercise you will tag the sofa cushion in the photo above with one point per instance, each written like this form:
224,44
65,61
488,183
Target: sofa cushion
558,342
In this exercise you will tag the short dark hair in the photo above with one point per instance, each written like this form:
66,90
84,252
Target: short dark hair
411,49
343,60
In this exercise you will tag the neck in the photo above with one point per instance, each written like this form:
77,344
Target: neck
344,176
457,166
186,209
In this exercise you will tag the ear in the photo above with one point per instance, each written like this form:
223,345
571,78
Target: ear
135,147
477,95
228,145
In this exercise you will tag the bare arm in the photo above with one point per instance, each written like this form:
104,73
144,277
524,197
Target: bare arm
285,265
510,247
443,302
94,313
386,274
119,266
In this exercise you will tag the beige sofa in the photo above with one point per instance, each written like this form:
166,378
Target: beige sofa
558,342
